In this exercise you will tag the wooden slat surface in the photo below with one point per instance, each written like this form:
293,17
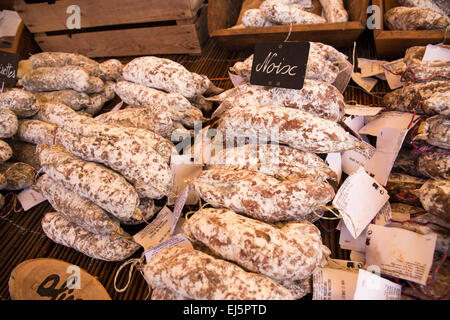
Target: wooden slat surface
44,17
21,236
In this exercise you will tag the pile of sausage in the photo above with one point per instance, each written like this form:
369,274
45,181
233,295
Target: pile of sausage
417,15
285,12
419,183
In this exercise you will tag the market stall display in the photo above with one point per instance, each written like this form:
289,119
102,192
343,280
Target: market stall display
275,168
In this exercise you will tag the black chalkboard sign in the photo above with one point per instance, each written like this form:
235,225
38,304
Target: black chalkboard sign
280,64
8,67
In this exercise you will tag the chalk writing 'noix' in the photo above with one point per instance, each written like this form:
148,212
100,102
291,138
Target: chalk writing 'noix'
8,70
268,67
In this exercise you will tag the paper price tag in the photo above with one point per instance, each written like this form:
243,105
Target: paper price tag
366,83
353,159
436,52
384,215
389,143
179,205
157,231
178,240
334,284
344,264
117,106
347,242
183,169
358,256
391,119
391,250
344,76
355,123
358,200
371,68
393,71
373,287
334,161
361,110
29,198
235,79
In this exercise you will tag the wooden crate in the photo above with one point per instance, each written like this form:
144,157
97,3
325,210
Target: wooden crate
393,44
23,44
223,14
119,27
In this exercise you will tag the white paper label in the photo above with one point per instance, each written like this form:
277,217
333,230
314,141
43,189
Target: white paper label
334,284
389,143
436,52
400,253
384,215
334,161
347,242
178,240
179,205
358,256
157,231
344,264
361,110
183,169
29,198
373,287
370,68
117,106
391,119
359,199
355,123
353,159
235,79
366,83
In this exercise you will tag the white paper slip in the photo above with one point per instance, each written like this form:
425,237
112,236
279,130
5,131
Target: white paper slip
178,240
334,161
157,231
29,198
371,68
353,159
436,52
117,106
393,71
400,253
183,169
389,143
358,256
384,215
344,264
334,284
373,287
235,79
355,122
347,242
358,200
366,83
391,119
361,110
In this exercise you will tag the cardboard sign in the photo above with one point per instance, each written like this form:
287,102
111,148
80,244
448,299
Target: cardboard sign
9,63
280,64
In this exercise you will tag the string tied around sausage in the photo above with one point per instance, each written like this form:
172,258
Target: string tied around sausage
134,263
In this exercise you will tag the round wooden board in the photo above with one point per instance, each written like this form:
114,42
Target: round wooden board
46,279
